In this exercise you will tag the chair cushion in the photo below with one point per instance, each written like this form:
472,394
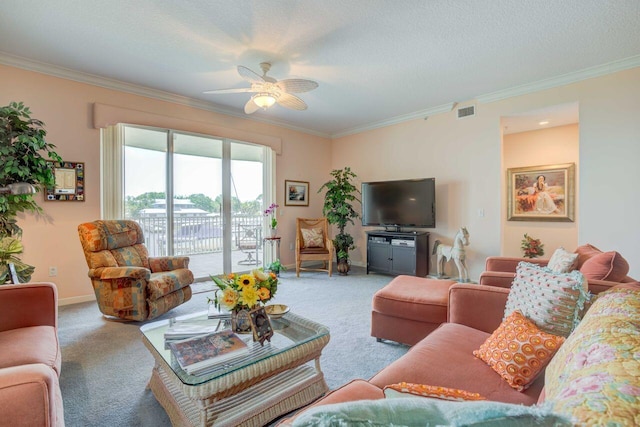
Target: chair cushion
101,235
447,349
164,283
314,251
313,237
33,344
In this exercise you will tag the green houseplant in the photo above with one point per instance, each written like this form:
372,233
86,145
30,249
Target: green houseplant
338,209
24,154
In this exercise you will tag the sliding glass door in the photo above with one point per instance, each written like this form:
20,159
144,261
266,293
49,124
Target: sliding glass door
196,196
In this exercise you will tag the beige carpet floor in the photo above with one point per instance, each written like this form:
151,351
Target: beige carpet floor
105,366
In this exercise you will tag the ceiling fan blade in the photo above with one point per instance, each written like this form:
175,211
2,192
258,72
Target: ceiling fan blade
249,75
291,101
250,107
296,85
238,90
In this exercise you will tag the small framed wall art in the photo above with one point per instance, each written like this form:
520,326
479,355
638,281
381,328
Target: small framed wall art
296,193
541,193
69,184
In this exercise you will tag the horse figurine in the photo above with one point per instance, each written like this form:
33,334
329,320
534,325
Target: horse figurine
456,252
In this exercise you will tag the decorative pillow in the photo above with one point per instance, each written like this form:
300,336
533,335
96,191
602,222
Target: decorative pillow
404,389
312,237
595,377
562,261
427,412
518,351
606,266
553,301
585,252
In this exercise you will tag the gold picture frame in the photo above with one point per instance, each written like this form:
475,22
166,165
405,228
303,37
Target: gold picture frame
296,193
541,193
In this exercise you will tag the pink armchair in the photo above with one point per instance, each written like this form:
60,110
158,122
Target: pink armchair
127,282
30,357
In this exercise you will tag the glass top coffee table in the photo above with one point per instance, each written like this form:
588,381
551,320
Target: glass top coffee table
251,390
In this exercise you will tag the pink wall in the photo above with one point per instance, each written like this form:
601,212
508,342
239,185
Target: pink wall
465,156
541,147
66,107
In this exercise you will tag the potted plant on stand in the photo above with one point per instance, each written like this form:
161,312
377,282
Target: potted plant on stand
24,171
338,209
273,222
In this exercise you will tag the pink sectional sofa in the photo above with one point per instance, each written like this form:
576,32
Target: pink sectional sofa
30,358
445,357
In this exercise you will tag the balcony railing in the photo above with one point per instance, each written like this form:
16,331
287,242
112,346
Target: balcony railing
199,234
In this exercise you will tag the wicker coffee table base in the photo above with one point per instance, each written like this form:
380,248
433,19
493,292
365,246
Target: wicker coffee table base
255,406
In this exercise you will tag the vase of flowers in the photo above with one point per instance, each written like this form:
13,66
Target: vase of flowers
241,293
273,222
531,247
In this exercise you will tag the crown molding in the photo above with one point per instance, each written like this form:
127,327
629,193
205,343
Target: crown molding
92,79
562,80
444,108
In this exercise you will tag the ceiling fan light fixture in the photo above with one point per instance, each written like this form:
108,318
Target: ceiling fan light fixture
263,100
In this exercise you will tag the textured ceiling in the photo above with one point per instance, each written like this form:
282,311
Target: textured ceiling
376,61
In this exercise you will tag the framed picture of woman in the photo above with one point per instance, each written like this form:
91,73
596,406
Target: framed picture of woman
541,193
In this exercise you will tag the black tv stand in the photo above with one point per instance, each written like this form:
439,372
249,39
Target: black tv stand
397,252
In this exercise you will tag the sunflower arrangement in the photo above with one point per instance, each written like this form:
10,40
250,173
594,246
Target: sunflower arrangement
532,248
237,291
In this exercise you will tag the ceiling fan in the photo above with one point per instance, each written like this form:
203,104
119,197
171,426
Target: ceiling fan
268,90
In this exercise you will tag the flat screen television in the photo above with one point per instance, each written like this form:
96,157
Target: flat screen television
402,203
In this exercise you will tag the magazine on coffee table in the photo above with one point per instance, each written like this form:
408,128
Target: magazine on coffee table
181,331
197,354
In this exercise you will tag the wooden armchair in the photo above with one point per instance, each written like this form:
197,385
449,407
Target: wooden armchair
127,282
313,244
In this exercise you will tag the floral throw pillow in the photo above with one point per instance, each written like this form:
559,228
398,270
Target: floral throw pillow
518,351
405,389
553,301
562,261
313,237
595,377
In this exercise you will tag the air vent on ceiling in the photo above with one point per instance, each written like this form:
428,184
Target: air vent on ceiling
465,112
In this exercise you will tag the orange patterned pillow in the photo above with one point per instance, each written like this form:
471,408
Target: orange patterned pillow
313,237
402,389
518,350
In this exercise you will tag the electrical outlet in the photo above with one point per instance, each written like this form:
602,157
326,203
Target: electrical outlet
291,246
53,271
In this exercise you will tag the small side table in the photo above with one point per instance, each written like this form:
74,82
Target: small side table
274,240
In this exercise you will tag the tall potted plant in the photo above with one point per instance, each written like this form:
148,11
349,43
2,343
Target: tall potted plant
338,209
24,153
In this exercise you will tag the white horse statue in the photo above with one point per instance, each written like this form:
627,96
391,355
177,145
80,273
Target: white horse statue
456,252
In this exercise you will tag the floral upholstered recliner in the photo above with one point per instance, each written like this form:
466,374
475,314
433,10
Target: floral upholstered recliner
128,283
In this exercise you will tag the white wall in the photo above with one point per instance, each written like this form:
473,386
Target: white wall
554,145
465,157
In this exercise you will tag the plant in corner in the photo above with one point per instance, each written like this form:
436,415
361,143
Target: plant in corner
338,209
24,154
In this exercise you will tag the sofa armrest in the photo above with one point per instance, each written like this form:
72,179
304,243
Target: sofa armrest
28,304
509,264
501,279
30,395
168,263
477,306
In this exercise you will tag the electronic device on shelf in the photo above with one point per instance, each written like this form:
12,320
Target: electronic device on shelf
398,204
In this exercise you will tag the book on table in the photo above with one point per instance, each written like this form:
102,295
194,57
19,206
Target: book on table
197,354
184,330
